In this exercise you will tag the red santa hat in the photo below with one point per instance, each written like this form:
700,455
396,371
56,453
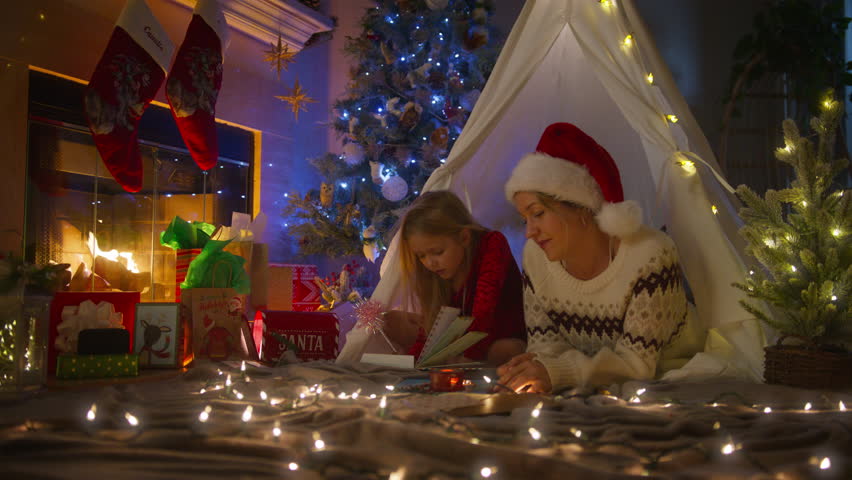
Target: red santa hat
571,166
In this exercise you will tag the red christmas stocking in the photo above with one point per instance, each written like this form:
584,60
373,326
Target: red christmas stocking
195,79
125,80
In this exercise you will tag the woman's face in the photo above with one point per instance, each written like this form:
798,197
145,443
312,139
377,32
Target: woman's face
442,255
555,228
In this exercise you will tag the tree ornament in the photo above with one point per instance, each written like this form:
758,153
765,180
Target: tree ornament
390,106
387,52
410,116
326,194
395,188
475,37
296,99
436,5
353,154
371,245
440,137
279,56
376,172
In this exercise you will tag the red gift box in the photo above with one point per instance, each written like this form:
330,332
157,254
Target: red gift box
183,257
306,294
123,302
313,333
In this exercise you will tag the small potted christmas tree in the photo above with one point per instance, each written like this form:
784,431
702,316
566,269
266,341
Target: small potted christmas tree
801,237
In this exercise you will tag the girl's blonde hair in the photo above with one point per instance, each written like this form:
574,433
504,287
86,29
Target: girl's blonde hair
438,212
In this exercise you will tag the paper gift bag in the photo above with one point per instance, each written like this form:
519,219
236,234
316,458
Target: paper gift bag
279,293
184,257
219,326
313,334
306,294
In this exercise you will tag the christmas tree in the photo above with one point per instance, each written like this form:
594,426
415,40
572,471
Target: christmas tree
421,65
801,236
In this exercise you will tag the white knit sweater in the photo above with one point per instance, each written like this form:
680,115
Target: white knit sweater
611,328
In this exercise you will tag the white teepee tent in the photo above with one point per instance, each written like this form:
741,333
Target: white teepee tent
590,63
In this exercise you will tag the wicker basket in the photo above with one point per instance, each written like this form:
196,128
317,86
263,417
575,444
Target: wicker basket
807,366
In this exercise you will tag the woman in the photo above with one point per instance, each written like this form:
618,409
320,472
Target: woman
449,259
602,293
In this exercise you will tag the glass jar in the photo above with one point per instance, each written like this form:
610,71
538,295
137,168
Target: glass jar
24,327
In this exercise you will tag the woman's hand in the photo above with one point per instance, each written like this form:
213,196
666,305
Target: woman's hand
525,373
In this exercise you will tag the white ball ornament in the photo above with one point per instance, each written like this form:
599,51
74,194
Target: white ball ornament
353,154
395,188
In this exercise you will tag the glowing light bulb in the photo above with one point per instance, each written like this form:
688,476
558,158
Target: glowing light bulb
276,432
825,464
487,471
204,415
577,433
293,466
769,242
319,444
486,378
628,41
808,406
793,268
650,78
688,165
247,413
804,203
263,395
767,410
243,366
635,399
537,410
714,209
836,232
384,402
640,391
93,410
728,449
841,406
228,381
389,387
133,421
717,426
535,434
672,118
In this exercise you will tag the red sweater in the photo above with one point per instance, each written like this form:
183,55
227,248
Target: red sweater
494,296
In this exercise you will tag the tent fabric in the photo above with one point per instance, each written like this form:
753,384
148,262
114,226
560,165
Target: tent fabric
569,61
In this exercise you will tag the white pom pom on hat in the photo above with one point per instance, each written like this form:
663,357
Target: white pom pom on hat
571,166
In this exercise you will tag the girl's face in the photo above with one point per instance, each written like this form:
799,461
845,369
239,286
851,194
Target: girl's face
556,229
442,255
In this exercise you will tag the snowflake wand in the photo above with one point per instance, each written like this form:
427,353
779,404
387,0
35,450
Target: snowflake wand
371,317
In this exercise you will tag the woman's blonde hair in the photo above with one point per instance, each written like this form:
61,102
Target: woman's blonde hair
438,212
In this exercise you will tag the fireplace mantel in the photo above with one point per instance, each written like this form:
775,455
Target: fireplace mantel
264,19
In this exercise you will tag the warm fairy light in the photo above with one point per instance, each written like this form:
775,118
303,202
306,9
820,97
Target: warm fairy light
688,165
220,372
841,406
714,209
202,391
247,413
276,431
93,410
205,414
319,389
667,405
825,464
263,395
808,406
836,232
767,410
672,118
535,434
293,466
804,203
474,441
577,432
769,242
788,148
714,405
318,443
728,448
717,426
389,387
228,381
793,268
487,471
354,395
640,391
828,104
628,41
384,402
751,272
650,78
372,395
243,366
635,399
537,410
398,474
238,394
133,421
343,396
486,378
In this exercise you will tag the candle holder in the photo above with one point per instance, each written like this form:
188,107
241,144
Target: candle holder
446,379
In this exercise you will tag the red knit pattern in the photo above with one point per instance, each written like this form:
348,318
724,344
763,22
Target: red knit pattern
496,301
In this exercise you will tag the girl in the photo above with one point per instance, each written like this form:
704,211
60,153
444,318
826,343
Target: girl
602,293
449,259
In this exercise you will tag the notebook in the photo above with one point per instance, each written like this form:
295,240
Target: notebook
447,338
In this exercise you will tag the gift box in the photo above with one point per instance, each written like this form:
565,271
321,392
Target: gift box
163,335
183,257
314,334
122,302
304,294
69,366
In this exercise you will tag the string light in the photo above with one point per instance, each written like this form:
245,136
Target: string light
688,166
793,268
535,434
714,209
808,406
836,232
263,395
398,474
650,78
228,381
389,387
133,421
486,378
384,402
840,405
205,414
672,118
93,410
577,433
628,41
537,410
276,430
640,391
486,472
767,410
804,203
728,448
635,399
293,466
319,444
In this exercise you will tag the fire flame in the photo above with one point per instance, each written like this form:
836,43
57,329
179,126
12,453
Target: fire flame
112,254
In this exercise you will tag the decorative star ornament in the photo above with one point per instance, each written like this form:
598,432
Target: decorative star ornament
296,99
279,56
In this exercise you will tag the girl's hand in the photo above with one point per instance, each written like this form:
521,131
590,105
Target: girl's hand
525,373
